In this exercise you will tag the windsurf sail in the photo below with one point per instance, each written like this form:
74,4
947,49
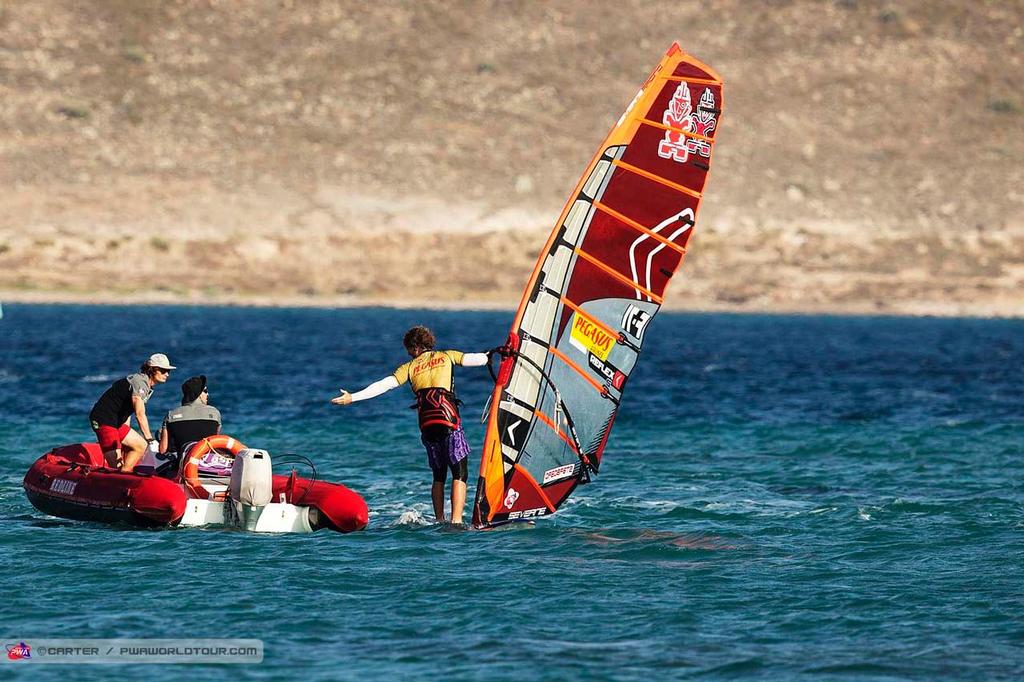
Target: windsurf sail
599,281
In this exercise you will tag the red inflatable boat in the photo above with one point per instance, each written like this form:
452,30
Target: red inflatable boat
74,482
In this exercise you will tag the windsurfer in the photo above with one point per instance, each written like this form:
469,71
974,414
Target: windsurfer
111,416
430,375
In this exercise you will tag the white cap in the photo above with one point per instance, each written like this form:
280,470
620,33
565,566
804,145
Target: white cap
160,361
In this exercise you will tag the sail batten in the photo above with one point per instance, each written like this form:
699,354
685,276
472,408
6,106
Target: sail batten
657,178
691,81
579,311
681,131
615,274
576,368
638,227
561,434
599,281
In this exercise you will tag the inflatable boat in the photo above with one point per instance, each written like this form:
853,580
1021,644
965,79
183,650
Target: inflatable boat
222,483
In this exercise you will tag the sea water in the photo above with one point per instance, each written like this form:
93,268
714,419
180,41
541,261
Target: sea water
782,497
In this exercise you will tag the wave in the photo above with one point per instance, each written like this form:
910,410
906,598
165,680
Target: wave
99,378
412,518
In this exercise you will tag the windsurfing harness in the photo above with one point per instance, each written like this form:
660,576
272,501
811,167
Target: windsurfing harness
437,405
438,411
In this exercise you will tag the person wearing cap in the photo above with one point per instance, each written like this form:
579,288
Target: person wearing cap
111,416
194,420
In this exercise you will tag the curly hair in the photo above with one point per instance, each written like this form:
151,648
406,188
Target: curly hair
419,337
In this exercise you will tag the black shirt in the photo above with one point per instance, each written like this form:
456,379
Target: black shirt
115,405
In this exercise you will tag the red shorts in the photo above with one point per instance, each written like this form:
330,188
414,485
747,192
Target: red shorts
110,437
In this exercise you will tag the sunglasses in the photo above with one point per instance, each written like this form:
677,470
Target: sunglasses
162,370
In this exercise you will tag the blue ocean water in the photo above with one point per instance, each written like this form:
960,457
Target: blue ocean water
782,497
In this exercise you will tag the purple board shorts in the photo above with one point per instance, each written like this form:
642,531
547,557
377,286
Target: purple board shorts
448,451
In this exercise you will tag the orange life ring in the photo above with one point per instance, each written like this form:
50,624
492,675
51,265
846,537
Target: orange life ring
190,471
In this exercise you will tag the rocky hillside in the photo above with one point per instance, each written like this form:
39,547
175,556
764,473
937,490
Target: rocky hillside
870,157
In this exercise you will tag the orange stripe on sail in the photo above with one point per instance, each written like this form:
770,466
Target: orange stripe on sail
576,368
544,498
593,320
638,227
692,81
657,178
685,133
618,275
544,418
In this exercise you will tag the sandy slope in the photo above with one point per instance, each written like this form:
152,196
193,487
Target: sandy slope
871,157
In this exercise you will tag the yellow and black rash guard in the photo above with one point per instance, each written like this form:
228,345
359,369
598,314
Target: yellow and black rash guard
430,369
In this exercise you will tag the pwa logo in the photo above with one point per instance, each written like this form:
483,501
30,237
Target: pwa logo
679,114
17,652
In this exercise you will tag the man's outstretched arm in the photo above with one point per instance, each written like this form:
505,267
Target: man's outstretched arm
372,391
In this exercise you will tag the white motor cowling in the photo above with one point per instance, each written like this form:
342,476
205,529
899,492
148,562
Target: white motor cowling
252,478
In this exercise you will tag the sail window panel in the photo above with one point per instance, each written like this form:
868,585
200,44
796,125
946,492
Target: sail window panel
546,451
576,219
540,316
596,178
509,452
510,458
517,409
535,352
615,153
525,383
556,268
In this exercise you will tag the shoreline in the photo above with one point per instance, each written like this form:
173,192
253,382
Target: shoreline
990,310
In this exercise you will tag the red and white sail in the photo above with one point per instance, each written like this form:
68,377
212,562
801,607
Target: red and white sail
599,281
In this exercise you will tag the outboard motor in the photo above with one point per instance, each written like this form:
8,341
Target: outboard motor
251,488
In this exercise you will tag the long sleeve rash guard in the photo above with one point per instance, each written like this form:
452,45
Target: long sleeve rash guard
384,385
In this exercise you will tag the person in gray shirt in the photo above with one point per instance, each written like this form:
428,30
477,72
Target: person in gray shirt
194,420
111,416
